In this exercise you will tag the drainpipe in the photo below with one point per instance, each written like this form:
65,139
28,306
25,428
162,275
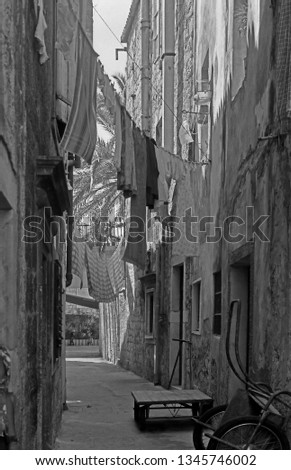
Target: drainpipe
145,71
168,63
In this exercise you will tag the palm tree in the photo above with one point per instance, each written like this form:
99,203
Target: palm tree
95,186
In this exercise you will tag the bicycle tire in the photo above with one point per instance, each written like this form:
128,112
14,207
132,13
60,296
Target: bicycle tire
211,417
238,430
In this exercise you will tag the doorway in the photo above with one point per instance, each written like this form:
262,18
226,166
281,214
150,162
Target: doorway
240,288
176,322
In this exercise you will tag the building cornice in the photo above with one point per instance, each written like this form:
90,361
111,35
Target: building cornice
131,16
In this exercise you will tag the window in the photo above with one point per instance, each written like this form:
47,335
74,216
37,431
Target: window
217,304
149,310
157,17
196,307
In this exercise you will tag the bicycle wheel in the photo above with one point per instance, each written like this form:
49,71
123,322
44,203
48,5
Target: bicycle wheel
238,434
211,417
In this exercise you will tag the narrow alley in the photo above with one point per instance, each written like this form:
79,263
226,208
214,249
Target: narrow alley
145,226
100,412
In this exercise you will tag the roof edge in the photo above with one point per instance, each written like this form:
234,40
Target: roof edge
129,21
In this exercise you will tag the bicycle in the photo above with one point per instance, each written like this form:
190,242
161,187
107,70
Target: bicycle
266,426
217,429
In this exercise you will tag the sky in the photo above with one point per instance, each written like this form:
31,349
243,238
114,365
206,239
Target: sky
115,13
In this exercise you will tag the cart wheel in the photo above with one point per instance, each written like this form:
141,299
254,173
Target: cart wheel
239,432
211,417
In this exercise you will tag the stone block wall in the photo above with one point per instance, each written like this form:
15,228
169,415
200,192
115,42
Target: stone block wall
248,167
26,295
133,69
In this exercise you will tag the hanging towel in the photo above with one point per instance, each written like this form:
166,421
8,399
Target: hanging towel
183,201
99,284
164,181
81,131
126,177
39,34
78,260
152,191
116,269
135,253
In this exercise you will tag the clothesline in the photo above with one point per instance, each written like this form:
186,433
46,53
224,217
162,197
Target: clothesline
104,78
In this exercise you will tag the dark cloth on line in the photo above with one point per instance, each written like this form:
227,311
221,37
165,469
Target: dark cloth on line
126,176
152,191
135,251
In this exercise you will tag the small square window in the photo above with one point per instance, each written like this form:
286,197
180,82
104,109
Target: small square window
196,307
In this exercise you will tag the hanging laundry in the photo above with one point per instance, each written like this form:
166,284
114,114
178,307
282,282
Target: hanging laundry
164,181
116,269
135,251
118,134
109,94
185,134
39,34
99,284
81,131
176,167
126,177
183,202
171,168
78,259
100,73
152,191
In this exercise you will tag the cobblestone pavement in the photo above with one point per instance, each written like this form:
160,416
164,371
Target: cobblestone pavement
100,414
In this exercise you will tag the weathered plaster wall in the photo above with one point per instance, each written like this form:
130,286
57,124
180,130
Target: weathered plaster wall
244,171
248,172
26,101
240,175
136,352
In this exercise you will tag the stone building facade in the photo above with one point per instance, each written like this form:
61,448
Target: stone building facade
33,254
221,70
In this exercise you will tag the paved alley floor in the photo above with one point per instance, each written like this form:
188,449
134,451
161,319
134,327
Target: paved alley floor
100,412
